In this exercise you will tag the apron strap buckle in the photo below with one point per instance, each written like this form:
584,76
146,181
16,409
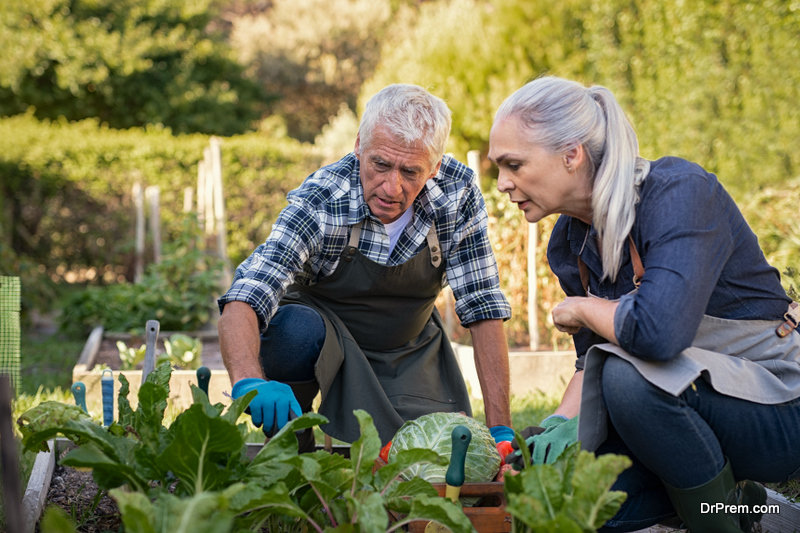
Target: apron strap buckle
792,319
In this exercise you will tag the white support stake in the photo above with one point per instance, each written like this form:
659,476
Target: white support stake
474,162
533,317
209,199
153,194
219,210
201,193
138,202
188,194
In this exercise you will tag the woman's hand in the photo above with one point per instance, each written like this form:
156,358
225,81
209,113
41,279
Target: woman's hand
566,315
577,312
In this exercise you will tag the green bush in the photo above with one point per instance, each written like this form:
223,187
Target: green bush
69,185
178,292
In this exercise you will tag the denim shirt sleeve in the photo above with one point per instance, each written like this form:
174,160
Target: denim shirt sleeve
684,233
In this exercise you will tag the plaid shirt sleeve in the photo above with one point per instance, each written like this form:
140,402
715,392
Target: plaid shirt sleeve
263,278
472,269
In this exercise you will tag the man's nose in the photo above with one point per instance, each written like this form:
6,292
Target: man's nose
393,184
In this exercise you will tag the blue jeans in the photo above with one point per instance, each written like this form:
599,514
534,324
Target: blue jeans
684,440
292,343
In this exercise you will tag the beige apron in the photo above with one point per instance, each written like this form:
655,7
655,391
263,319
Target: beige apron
743,359
385,349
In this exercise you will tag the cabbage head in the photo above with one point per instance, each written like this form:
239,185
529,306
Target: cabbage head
433,432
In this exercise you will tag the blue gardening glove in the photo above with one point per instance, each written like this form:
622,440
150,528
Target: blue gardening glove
547,441
273,406
501,433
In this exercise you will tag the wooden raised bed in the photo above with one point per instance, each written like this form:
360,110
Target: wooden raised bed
101,348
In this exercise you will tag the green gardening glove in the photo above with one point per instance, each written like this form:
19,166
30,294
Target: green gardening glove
559,433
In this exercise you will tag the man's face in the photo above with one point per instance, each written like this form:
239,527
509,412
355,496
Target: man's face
392,173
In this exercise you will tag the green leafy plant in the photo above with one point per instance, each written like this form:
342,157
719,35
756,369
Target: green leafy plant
202,456
183,351
129,356
178,292
573,494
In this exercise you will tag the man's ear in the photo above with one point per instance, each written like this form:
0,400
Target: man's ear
436,170
357,145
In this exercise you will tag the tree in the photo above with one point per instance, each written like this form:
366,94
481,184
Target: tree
314,54
126,62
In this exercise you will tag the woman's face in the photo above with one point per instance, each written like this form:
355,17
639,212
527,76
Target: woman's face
535,179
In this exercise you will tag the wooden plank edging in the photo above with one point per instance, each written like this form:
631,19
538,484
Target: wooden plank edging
38,486
787,520
90,349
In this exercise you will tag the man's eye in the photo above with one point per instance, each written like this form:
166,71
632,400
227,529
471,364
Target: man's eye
513,167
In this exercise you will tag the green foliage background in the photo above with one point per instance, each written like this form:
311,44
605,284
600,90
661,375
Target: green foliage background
714,81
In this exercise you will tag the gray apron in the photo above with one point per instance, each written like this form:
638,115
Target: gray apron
739,358
385,349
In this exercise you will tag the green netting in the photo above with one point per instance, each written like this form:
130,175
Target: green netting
9,327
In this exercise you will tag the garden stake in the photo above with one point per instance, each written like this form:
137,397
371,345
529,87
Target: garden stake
107,383
203,377
151,329
454,477
79,393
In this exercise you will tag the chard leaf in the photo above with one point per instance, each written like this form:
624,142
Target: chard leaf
107,472
55,520
198,447
545,484
276,500
398,493
365,450
202,513
48,419
284,444
370,515
200,397
592,503
402,461
523,449
124,409
237,406
346,527
160,376
439,510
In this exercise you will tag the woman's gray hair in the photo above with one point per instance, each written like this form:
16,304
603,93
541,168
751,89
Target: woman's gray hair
562,114
410,113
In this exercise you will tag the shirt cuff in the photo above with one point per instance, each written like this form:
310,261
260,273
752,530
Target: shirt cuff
623,321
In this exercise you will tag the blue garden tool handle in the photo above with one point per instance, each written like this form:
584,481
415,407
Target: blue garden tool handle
107,383
79,393
203,377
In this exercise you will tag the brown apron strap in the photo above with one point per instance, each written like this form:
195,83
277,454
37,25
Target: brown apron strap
638,268
433,244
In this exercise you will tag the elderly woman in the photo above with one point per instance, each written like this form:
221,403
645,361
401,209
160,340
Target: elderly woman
688,358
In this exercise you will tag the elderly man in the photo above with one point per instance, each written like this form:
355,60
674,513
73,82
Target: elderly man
340,297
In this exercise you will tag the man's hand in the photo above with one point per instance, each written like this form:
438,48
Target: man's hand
273,406
547,441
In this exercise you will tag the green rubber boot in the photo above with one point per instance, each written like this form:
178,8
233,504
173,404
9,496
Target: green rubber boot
720,505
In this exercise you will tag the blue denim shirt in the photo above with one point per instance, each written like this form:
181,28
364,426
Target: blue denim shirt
699,255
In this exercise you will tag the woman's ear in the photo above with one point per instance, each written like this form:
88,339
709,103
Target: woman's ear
574,158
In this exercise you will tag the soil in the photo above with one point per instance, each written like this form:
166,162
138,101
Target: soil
75,491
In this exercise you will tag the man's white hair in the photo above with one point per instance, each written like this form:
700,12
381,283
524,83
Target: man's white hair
411,114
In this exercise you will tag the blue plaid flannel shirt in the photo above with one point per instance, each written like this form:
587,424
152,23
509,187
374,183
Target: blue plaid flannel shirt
311,233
